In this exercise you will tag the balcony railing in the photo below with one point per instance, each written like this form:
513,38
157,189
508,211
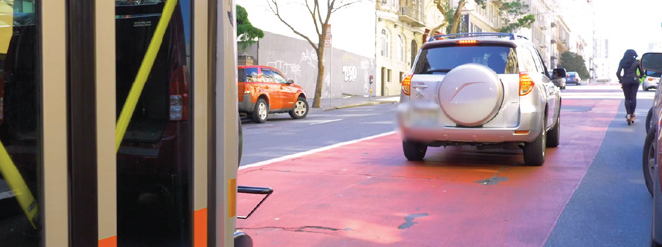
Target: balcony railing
412,15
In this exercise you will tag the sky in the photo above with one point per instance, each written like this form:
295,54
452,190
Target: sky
629,24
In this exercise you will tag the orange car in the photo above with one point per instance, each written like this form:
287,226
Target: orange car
264,90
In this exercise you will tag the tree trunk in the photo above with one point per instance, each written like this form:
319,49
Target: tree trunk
435,29
456,17
320,77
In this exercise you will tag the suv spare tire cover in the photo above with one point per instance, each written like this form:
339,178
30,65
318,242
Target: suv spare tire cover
471,94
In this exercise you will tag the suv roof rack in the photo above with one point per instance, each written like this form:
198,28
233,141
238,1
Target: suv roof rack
486,34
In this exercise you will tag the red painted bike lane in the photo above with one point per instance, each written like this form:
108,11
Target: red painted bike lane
368,194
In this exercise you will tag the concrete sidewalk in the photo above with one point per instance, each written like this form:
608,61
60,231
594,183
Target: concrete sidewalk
327,104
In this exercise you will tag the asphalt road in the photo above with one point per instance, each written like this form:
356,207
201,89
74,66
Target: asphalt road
282,135
611,207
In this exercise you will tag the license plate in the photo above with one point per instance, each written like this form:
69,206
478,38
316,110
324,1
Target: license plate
427,117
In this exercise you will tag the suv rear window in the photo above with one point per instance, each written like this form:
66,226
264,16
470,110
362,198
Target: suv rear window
502,59
247,74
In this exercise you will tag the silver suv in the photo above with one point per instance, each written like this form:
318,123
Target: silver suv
489,90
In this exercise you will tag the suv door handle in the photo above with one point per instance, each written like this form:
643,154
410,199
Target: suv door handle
419,86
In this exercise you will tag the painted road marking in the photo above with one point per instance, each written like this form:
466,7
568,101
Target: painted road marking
325,121
317,150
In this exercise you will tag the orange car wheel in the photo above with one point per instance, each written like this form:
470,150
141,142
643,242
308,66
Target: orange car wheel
300,109
261,111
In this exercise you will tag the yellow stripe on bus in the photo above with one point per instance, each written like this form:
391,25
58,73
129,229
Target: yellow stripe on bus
17,185
143,73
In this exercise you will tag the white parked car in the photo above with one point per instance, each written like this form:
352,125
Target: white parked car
651,80
481,89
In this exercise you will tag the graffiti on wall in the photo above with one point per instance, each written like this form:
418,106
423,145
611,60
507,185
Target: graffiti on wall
309,57
350,73
291,70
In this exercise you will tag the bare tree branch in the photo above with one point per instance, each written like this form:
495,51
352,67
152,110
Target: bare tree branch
440,7
343,5
328,11
312,14
435,29
319,14
276,12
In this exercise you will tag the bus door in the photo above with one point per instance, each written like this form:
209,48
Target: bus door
33,124
117,123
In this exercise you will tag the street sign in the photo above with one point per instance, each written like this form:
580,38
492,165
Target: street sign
327,40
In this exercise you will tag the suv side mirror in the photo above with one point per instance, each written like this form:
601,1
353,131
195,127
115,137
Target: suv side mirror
652,61
290,81
558,73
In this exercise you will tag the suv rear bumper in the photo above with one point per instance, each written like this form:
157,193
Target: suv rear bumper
246,105
530,120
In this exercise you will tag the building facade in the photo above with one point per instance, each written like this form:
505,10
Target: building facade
399,32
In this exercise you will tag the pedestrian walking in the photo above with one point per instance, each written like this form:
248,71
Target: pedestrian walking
629,81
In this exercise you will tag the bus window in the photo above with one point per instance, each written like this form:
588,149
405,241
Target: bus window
154,159
19,123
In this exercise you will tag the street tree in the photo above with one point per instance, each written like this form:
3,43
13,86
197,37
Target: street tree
514,15
574,62
457,13
247,34
447,12
320,15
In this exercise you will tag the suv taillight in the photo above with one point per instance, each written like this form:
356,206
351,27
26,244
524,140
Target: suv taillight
406,85
179,95
525,84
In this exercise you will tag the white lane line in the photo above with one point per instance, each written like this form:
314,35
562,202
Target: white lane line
325,121
317,150
319,121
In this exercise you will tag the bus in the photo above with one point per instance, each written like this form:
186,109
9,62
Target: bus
119,124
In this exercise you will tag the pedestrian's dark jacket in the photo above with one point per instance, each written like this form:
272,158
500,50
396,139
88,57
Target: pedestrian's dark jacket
629,66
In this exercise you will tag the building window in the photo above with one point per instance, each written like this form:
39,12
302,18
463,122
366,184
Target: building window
385,43
388,75
414,50
402,76
400,53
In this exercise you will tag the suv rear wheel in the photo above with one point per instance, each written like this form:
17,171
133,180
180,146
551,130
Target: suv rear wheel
414,151
534,152
261,111
554,135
